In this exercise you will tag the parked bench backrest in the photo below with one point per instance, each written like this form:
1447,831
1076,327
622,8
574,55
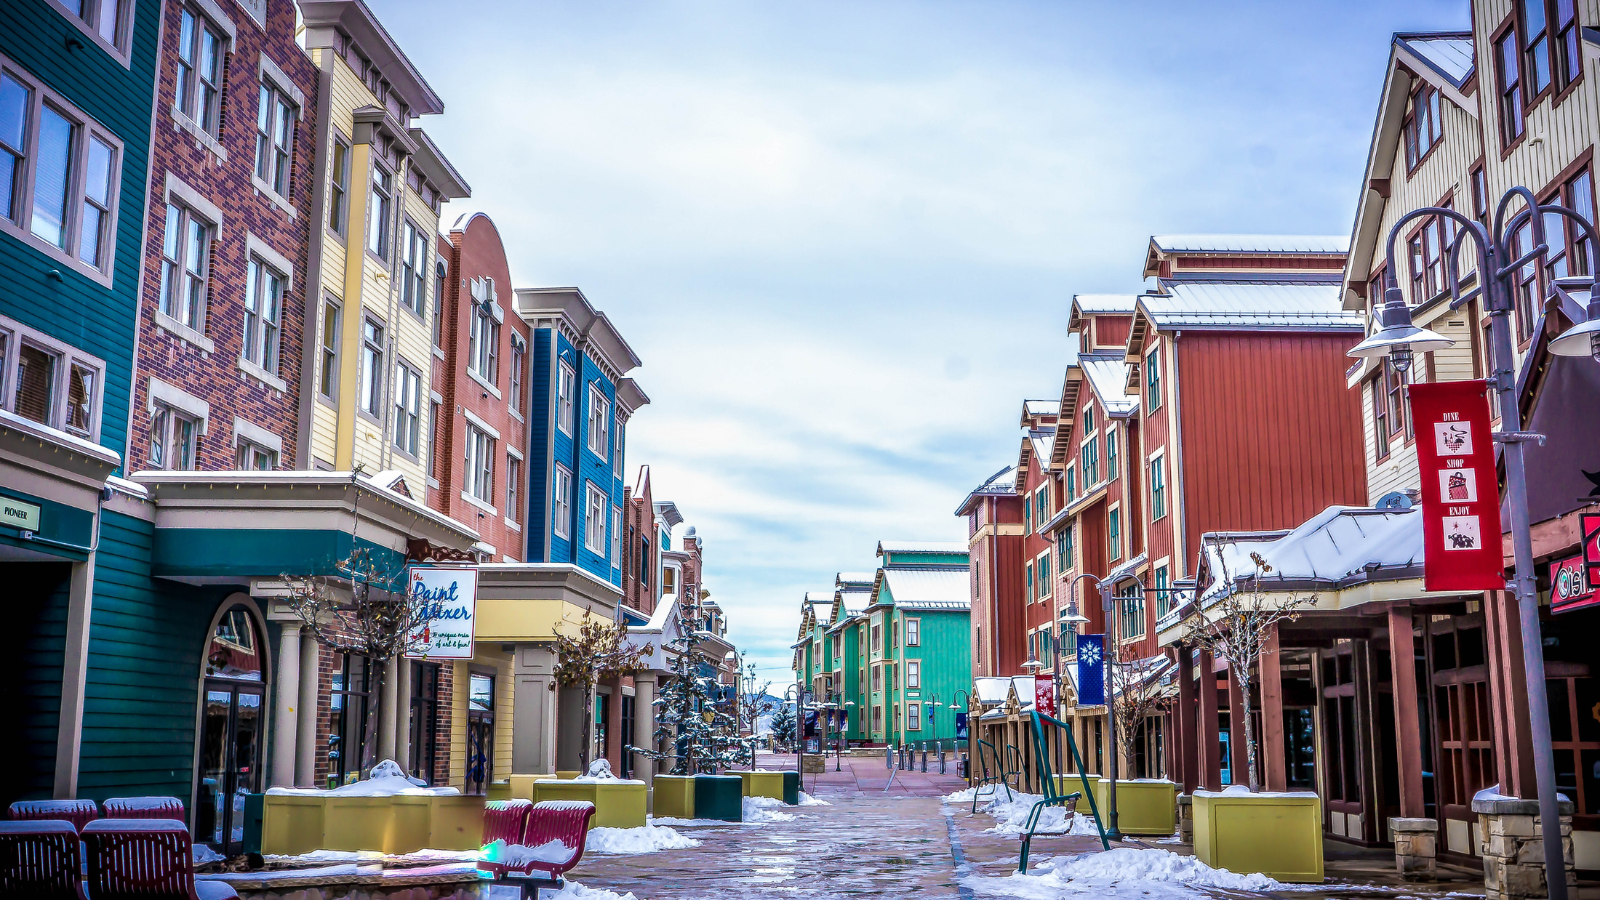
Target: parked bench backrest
139,858
39,859
144,808
78,812
505,820
566,821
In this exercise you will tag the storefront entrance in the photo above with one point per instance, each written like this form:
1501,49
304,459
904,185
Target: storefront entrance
231,731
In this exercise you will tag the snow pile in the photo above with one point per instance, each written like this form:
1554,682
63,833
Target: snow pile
1145,872
808,800
676,822
762,810
203,854
521,855
1011,817
648,839
963,796
387,780
572,891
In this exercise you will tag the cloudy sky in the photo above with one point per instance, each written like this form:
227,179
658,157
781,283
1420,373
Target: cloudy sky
844,237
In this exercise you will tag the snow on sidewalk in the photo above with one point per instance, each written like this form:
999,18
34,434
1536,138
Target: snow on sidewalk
571,891
649,839
1011,816
1148,872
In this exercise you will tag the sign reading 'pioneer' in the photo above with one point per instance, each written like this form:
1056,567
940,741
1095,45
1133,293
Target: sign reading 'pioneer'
1460,490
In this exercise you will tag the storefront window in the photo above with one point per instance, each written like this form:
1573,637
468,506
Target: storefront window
347,726
424,720
480,733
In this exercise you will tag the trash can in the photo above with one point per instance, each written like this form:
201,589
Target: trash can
719,797
791,788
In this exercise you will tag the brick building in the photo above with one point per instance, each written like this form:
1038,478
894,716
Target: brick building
641,546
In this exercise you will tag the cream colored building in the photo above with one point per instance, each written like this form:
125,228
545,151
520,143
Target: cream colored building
379,183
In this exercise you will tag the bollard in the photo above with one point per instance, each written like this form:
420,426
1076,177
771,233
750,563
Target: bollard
941,757
924,756
888,756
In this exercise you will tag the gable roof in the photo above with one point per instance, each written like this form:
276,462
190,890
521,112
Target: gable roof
1107,375
1252,306
1036,444
929,589
1000,484
1302,244
1448,54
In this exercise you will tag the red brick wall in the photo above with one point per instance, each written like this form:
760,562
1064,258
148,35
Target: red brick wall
216,377
639,525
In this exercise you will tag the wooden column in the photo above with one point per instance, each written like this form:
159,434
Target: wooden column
1274,774
1407,726
1210,740
1366,758
1187,731
1238,760
613,748
1508,695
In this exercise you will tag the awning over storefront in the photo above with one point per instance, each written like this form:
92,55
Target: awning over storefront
50,487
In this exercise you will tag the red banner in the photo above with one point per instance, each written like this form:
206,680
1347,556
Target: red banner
1044,695
1460,490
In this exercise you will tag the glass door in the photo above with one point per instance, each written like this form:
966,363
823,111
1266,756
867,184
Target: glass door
230,764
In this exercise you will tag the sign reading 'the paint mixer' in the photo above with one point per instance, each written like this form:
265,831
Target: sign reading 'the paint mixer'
448,597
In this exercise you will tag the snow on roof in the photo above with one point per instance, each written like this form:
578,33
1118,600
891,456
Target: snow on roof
921,547
1001,484
819,597
1212,305
1041,439
1340,546
948,588
1125,570
1108,375
858,580
1251,243
1041,407
1104,303
1450,53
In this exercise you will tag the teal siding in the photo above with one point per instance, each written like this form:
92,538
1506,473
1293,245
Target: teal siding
946,656
32,673
77,310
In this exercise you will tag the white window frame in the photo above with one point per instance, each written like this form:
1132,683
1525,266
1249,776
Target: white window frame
1114,549
616,537
18,220
328,351
913,674
414,268
262,335
566,390
596,504
339,186
91,20
913,632
170,408
483,336
380,210
407,408
513,486
277,120
1041,569
1158,463
373,370
479,473
65,358
252,443
561,502
195,112
599,431
514,379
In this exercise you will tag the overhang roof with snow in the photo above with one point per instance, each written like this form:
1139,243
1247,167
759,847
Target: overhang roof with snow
1001,484
1302,244
932,588
1252,306
1107,375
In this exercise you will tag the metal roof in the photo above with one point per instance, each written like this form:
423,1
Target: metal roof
1104,303
1250,306
921,547
863,580
1450,53
1108,376
929,588
1251,243
1001,484
1040,440
1041,407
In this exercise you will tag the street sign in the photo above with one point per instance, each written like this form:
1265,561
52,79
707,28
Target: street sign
1044,696
1460,489
1589,526
19,515
449,595
1570,586
1091,670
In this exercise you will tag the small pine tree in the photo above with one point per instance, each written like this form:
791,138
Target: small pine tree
700,735
783,726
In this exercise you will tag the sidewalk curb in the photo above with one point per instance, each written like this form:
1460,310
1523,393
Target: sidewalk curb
955,849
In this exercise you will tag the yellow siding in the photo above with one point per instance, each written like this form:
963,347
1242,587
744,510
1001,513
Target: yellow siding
458,724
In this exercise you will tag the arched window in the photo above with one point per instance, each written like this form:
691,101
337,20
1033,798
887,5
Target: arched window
235,650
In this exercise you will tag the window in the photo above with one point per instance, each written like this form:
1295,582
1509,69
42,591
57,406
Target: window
480,464
424,722
1033,591
1041,501
1380,418
254,457
1163,592
1526,284
1027,518
414,270
1569,60
275,120
877,678
1111,453
263,302
1508,73
104,19
1130,603
913,675
1480,195
519,354
70,202
329,362
1088,419
913,717
1064,548
483,336
877,642
1114,534
378,212
185,267
200,53
565,385
1427,248
1158,488
49,382
339,192
1569,252
1422,127
561,507
513,484
1152,380
372,368
407,408
616,537
1399,403
1090,453
1535,46
1072,483
599,422
347,726
1044,575
174,438
913,632
594,522
434,423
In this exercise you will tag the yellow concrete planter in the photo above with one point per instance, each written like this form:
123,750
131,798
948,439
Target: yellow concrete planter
1278,835
499,790
617,804
762,784
299,823
1144,806
673,797
567,776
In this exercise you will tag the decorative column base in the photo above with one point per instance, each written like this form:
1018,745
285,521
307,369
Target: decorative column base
814,764
1416,848
1186,818
1513,848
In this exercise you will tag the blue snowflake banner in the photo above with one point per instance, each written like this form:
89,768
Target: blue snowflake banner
1091,670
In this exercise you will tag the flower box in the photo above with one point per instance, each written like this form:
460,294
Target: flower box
719,797
617,803
1144,805
673,797
762,784
1278,835
403,823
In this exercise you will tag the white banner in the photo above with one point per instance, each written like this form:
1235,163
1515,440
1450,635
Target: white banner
449,599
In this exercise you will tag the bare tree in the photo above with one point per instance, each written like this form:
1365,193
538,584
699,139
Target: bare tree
600,650
1136,698
1236,629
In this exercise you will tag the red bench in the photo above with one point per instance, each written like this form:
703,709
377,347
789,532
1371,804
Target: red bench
563,821
145,859
78,812
144,808
39,860
505,820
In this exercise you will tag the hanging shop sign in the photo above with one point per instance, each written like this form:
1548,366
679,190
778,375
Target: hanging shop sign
1044,696
1589,524
1570,585
449,598
1091,670
1460,490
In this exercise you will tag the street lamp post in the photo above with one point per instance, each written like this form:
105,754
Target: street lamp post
1398,339
957,720
1111,833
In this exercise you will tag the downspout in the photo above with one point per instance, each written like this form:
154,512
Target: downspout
994,592
1181,507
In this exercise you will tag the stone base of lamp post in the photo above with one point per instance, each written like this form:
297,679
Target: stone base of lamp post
813,764
1512,844
1416,848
